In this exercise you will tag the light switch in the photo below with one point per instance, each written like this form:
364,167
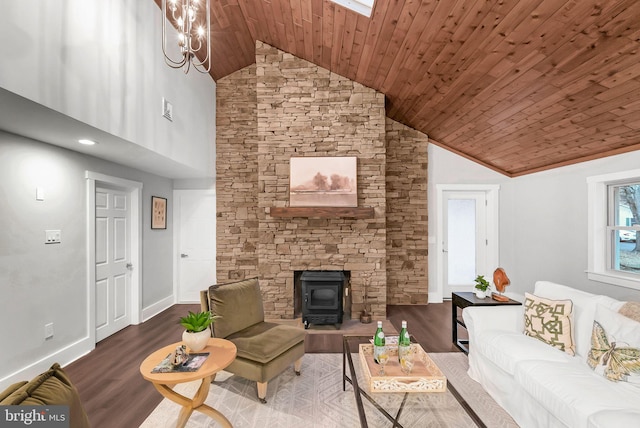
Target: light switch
52,236
48,331
39,193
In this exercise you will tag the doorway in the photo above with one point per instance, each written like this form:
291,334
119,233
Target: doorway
468,231
113,266
194,243
114,254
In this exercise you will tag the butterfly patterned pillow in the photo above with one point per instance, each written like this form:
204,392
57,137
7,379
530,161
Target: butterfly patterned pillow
615,347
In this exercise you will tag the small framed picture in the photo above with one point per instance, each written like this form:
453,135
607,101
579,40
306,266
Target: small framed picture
158,212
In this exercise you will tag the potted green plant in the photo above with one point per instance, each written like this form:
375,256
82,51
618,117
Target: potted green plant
482,285
197,334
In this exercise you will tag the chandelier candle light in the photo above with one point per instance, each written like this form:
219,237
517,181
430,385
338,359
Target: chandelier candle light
194,40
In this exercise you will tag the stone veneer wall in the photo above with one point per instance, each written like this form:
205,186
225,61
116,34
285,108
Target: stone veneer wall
237,176
305,110
406,182
284,106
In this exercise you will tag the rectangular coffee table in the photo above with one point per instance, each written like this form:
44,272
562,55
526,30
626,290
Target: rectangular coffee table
424,396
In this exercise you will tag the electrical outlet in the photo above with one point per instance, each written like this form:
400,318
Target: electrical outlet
48,331
52,236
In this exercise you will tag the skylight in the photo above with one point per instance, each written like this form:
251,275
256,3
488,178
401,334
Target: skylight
363,7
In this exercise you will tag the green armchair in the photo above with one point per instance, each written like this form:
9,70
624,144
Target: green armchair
264,349
52,387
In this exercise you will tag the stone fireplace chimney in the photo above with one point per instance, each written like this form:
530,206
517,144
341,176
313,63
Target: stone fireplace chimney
285,107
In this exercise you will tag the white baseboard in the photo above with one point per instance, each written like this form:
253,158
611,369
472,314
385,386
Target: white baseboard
64,357
153,310
189,298
436,296
72,352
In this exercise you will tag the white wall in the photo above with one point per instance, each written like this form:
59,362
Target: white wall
42,283
543,219
544,226
446,167
100,62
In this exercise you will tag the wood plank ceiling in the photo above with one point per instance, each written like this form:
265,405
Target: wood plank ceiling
519,86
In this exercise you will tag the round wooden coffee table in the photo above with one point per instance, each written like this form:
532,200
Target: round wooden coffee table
221,353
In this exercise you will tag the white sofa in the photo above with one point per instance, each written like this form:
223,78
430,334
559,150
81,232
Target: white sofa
541,386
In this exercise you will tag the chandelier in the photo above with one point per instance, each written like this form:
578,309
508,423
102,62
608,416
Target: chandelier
194,39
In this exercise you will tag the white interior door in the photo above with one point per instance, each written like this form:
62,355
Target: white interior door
465,239
112,261
196,242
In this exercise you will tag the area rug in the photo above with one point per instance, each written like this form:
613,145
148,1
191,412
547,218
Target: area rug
316,399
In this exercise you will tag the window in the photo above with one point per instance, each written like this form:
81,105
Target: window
363,7
614,229
622,217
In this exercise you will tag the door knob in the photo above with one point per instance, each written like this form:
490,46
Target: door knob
184,256
129,266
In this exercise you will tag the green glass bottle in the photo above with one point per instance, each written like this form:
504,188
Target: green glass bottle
404,341
378,342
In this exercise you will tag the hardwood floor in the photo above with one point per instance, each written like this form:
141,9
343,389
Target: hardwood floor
114,394
429,324
112,391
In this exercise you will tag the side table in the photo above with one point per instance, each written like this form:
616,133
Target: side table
221,353
462,300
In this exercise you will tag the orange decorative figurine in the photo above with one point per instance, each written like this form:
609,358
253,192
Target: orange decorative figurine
500,280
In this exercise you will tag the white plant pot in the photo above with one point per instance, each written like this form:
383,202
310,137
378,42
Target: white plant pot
480,294
196,342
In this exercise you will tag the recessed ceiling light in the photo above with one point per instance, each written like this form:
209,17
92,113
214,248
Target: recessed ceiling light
87,142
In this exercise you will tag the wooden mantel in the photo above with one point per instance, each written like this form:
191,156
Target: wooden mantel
322,212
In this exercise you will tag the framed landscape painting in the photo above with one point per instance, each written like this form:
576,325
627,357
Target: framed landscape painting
323,182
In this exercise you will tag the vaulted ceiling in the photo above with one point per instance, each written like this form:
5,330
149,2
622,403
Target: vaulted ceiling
519,86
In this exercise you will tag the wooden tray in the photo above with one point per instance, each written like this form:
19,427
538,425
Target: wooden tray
425,376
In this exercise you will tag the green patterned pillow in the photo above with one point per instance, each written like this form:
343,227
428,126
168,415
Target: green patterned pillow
549,321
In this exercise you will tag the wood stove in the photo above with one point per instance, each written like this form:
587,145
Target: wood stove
322,297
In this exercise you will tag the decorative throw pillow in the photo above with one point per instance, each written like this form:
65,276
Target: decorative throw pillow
631,310
615,346
549,321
